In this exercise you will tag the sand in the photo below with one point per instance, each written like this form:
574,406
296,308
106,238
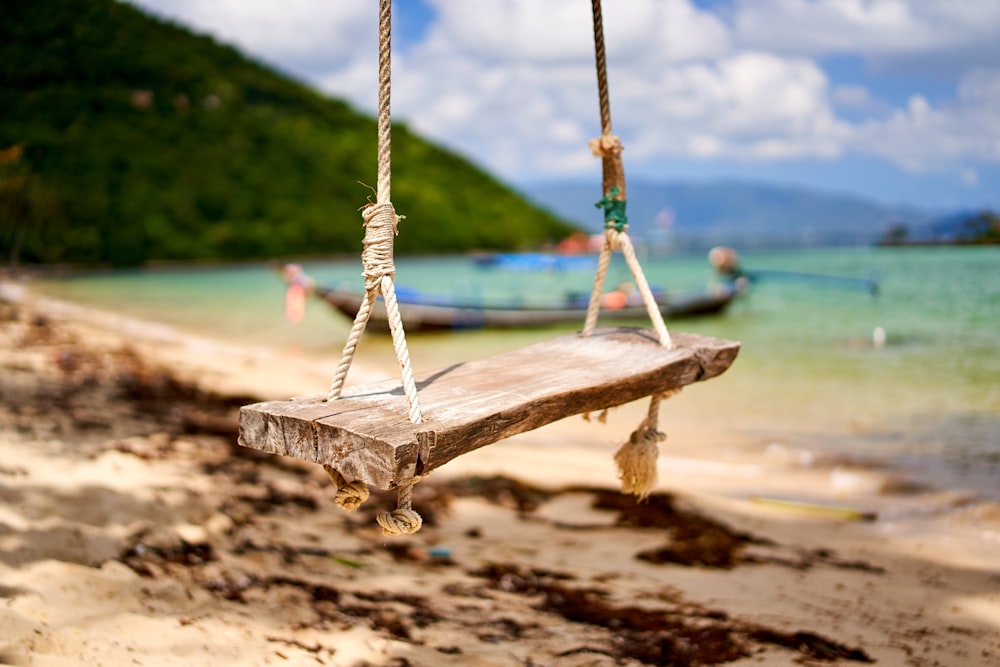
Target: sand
134,531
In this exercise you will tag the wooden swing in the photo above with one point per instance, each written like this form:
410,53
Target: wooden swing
387,435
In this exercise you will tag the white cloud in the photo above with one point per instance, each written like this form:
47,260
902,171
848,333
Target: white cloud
493,85
810,27
923,136
561,30
512,82
918,38
511,30
750,105
857,98
871,27
298,34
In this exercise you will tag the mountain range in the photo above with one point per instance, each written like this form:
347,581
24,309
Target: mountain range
700,214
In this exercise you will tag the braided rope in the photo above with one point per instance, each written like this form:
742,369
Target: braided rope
384,99
347,356
594,307
402,354
602,68
652,308
381,226
636,459
608,147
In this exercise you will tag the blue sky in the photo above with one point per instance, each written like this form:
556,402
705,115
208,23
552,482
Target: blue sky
895,100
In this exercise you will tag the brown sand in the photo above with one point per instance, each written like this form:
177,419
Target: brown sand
134,531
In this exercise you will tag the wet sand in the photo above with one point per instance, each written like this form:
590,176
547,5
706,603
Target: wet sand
134,530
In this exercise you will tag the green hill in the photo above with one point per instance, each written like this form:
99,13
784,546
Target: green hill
125,139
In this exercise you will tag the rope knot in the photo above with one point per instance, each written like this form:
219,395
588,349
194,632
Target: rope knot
350,495
606,146
381,225
400,521
403,520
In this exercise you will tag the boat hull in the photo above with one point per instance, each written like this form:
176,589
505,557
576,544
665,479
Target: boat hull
428,315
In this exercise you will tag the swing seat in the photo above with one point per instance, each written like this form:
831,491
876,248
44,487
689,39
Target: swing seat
366,434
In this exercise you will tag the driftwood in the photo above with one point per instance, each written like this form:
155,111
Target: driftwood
366,434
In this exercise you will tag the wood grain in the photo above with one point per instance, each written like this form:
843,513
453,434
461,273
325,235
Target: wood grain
367,435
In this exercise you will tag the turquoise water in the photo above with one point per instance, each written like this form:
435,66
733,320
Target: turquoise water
808,373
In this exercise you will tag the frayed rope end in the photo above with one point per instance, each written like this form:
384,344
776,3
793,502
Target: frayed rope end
636,461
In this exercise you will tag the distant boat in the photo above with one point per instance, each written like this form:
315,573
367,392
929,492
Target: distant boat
425,312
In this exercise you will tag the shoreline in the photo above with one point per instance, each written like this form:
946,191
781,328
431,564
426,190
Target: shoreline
922,587
705,449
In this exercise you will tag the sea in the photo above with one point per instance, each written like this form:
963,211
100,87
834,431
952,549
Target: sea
907,376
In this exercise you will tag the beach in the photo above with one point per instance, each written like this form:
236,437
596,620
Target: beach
134,530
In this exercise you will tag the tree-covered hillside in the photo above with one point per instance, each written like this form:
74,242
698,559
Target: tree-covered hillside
124,138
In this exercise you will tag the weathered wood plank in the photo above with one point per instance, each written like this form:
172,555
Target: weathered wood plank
367,434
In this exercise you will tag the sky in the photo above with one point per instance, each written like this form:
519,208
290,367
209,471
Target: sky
892,100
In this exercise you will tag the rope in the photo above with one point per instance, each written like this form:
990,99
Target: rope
602,68
594,307
402,520
608,147
636,459
349,495
384,98
652,308
381,226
